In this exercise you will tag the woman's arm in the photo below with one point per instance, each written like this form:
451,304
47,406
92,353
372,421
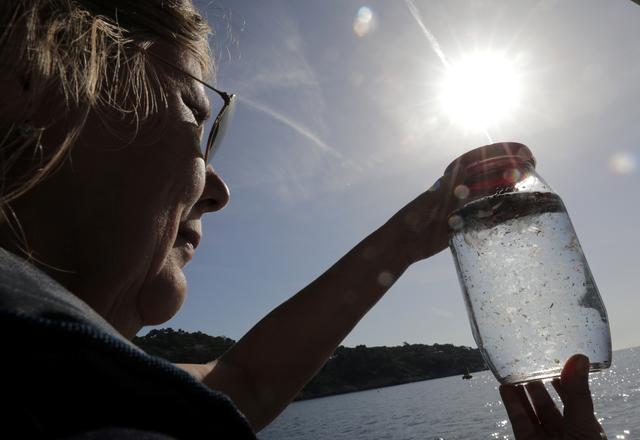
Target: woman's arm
265,370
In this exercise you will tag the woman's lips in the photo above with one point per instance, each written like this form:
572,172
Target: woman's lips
190,235
186,246
187,240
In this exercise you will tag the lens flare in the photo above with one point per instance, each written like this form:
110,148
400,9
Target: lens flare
364,21
512,175
365,14
456,222
461,192
622,163
385,278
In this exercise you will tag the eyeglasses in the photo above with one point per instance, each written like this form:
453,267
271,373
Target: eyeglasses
221,123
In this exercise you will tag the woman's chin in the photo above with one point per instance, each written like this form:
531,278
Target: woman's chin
161,298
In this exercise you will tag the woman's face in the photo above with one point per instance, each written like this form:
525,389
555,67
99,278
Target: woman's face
114,212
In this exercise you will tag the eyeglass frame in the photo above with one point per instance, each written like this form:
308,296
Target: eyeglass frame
229,102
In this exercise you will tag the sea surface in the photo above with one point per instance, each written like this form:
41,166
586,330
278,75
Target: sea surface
451,408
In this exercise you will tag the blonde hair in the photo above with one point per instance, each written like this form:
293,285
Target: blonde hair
84,56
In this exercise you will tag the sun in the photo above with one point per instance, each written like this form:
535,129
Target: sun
480,90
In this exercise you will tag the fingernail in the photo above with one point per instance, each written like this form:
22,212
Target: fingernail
582,366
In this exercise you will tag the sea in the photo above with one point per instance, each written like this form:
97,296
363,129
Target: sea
451,408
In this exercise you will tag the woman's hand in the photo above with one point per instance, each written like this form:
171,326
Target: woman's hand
539,419
421,229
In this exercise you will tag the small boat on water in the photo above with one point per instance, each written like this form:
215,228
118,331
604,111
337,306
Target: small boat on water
467,375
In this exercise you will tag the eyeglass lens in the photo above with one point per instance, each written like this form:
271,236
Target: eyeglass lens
219,128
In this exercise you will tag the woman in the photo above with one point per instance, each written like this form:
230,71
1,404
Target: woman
105,184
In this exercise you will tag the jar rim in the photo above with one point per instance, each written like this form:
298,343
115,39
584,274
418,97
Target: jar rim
514,151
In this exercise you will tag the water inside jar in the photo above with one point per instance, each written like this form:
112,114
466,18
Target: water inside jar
530,295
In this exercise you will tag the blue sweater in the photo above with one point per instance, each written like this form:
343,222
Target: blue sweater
66,371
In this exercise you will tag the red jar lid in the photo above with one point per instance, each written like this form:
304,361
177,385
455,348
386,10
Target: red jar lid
506,151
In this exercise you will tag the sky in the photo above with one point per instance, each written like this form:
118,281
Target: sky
340,123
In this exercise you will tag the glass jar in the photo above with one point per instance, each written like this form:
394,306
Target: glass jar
531,298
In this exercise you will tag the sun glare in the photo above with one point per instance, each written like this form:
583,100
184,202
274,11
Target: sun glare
480,90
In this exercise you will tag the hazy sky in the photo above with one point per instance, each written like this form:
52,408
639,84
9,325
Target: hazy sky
339,125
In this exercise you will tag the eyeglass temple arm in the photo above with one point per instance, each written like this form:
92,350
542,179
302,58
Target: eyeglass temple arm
227,97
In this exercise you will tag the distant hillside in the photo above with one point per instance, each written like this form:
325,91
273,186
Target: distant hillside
183,347
348,369
361,368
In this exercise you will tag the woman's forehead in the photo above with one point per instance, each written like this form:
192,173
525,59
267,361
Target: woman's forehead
181,59
181,66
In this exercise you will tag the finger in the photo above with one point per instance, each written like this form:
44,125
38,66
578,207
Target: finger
446,188
523,419
558,388
576,397
545,408
455,177
594,431
574,383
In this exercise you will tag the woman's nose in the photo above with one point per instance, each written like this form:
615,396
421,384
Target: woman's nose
216,193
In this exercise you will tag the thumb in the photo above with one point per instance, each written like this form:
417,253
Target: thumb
573,389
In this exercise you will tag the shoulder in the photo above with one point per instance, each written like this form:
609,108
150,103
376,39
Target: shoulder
53,371
68,374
